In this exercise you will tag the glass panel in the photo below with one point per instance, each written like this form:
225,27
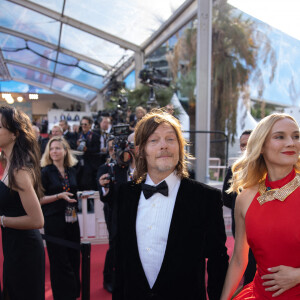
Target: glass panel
79,71
79,75
10,41
92,68
21,19
20,87
55,5
281,15
285,88
130,80
31,58
91,46
75,90
67,59
23,73
132,20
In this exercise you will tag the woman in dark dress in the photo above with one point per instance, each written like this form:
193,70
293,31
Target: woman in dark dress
20,210
60,211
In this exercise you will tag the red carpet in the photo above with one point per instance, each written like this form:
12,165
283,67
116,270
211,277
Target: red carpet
97,262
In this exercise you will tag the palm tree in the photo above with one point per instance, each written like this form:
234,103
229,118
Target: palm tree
237,46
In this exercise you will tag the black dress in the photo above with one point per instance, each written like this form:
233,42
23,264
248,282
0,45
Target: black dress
64,261
23,251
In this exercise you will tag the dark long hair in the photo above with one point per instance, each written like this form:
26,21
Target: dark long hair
26,152
144,128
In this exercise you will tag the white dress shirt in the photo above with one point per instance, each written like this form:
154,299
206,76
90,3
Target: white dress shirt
103,139
152,226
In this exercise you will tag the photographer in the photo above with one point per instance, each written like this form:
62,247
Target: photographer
119,169
89,144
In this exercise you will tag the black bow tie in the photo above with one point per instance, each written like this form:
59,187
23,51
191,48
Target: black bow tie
149,190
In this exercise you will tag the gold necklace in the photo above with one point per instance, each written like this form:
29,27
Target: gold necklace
279,194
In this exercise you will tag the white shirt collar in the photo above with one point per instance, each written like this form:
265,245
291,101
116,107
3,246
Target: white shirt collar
171,180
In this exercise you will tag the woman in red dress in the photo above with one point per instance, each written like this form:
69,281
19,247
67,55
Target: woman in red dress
267,212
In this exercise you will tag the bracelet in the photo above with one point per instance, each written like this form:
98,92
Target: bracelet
2,221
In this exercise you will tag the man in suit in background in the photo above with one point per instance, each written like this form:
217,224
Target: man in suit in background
229,201
168,224
89,143
104,134
68,135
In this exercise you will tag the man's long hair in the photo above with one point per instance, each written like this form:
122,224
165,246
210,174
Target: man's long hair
25,153
144,128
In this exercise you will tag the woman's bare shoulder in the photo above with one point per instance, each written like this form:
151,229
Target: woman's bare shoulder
23,177
245,198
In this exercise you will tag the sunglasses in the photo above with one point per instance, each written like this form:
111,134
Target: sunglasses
84,124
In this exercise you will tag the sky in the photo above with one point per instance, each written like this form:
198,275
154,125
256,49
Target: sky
282,15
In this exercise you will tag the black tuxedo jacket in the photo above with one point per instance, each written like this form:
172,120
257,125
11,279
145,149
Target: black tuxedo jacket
120,177
110,200
197,233
71,139
229,199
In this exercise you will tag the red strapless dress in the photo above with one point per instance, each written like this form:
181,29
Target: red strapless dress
273,233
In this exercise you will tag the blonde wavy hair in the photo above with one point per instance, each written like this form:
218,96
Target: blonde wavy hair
144,128
69,160
250,168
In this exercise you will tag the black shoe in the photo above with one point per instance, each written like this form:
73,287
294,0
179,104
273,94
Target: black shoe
108,286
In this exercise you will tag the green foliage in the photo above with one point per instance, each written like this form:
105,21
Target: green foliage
186,84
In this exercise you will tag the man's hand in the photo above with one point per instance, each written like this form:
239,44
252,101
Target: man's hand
281,279
104,180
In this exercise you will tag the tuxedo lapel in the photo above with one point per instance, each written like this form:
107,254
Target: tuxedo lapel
174,239
134,200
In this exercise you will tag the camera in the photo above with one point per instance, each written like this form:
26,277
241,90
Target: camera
82,144
121,145
116,93
153,76
110,175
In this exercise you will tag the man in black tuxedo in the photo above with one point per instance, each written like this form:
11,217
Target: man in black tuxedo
168,224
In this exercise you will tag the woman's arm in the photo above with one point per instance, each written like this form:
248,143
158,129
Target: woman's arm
239,258
34,218
49,182
52,198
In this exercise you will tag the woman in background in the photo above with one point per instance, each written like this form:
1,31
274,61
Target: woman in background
60,211
20,210
267,212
